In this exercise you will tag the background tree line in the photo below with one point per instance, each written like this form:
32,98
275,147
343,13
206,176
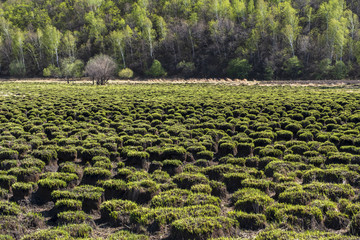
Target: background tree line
262,39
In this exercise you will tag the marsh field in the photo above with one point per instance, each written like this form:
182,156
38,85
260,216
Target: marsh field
179,161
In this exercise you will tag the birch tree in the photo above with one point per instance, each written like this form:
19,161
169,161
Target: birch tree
291,28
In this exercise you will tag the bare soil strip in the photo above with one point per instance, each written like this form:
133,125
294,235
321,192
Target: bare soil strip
225,81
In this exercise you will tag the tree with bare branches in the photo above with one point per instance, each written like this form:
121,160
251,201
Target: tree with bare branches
100,69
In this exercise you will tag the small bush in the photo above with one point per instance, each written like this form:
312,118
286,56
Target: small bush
238,68
52,71
126,73
17,68
156,70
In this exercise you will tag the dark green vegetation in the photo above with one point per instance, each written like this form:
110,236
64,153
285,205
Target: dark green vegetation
261,39
179,162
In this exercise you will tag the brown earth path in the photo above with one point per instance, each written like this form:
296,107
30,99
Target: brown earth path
225,81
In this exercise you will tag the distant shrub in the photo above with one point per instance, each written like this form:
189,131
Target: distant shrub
126,73
293,67
238,68
339,71
17,69
156,70
186,68
52,71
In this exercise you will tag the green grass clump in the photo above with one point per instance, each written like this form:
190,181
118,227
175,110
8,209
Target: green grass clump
68,205
30,174
163,216
233,180
6,181
8,154
249,221
70,167
142,191
295,195
96,173
303,217
202,227
337,220
174,152
45,155
9,208
186,180
126,235
113,208
280,234
68,217
262,184
201,188
82,231
114,188
251,200
51,184
22,187
47,234
170,198
66,177
66,154
331,190
32,162
6,237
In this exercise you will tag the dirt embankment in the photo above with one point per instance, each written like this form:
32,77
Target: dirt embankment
224,81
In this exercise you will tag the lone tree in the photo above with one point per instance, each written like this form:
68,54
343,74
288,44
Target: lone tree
100,69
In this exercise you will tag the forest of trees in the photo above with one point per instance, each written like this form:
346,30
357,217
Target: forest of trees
254,39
